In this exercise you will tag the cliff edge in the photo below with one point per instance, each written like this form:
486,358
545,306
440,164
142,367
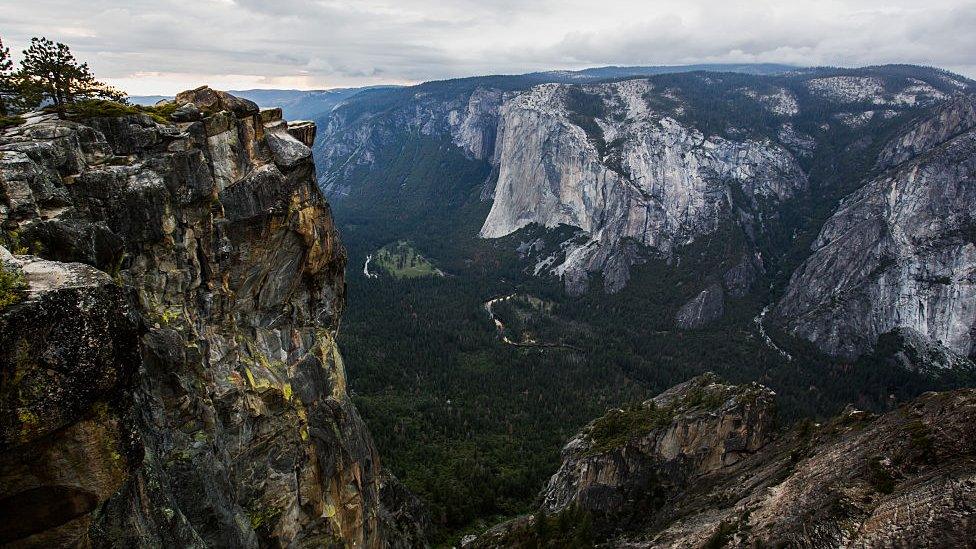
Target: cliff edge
170,375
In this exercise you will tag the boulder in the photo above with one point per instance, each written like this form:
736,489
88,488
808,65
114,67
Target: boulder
209,100
188,112
303,130
287,151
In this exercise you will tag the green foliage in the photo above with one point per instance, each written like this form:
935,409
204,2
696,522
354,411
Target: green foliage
618,427
12,285
879,477
12,241
11,89
401,260
49,71
8,121
571,528
584,108
99,108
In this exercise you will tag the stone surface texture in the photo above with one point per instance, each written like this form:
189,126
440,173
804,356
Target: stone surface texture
900,252
170,375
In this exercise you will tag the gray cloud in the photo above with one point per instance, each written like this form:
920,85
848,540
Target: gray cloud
166,45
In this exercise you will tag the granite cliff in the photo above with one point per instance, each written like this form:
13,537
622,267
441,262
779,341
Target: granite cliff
602,159
170,375
702,465
640,167
585,180
900,252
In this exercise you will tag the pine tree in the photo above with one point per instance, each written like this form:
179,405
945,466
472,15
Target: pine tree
51,72
8,86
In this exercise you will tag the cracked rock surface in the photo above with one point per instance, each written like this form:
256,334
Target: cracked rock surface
170,375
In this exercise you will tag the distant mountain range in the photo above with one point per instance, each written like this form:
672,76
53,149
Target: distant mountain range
310,104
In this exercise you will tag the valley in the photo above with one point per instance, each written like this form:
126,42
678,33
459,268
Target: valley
615,286
487,275
512,267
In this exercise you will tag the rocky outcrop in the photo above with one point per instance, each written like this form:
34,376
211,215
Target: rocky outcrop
716,475
170,375
689,430
624,170
705,308
901,251
948,121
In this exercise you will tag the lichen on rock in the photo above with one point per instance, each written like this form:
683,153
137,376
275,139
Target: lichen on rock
176,338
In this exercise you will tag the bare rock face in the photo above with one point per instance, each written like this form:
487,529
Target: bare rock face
68,349
652,180
705,308
302,130
900,252
718,475
951,119
180,385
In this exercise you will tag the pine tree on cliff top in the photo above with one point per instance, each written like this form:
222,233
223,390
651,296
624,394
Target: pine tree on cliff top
51,72
8,87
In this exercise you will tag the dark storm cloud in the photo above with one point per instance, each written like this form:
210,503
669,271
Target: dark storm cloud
165,45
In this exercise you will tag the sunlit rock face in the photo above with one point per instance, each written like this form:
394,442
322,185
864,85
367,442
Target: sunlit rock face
172,367
899,253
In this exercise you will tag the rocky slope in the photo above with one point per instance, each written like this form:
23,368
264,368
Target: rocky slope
170,375
900,252
701,466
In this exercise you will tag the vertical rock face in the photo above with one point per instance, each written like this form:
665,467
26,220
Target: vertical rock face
901,251
195,397
622,169
706,307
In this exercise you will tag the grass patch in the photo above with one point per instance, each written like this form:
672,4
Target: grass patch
401,260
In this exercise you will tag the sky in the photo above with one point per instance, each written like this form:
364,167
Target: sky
164,46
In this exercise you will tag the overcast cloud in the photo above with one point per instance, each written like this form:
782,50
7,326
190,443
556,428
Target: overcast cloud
163,46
